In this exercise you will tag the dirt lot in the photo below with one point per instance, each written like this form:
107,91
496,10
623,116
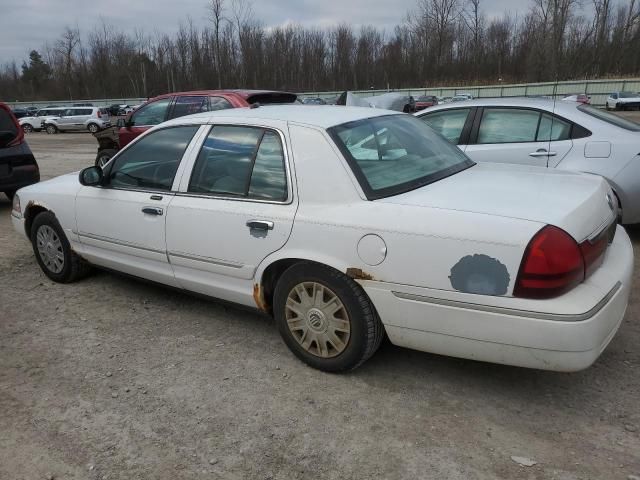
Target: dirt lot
111,378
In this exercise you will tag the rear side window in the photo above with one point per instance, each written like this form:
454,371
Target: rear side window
152,113
189,105
152,162
448,123
553,129
7,124
218,103
241,162
610,118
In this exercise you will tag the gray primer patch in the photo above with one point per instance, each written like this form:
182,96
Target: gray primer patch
480,274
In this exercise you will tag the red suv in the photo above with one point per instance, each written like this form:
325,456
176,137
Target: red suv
172,105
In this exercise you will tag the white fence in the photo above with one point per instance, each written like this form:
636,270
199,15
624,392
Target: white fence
596,89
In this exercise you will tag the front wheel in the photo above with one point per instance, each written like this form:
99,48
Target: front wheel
326,318
53,251
51,129
93,128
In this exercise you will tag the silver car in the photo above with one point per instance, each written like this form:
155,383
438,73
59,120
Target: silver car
541,132
92,119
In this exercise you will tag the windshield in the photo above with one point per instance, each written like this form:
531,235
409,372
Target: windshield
396,153
628,95
610,118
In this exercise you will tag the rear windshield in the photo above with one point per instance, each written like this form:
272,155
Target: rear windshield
610,118
396,153
269,98
7,124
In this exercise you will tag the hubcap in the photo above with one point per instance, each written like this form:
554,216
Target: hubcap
317,319
50,248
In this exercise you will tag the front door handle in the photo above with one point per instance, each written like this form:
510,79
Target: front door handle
152,211
260,225
542,153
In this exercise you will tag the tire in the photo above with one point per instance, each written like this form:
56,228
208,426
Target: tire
51,129
49,242
104,156
10,194
606,106
93,128
26,128
361,330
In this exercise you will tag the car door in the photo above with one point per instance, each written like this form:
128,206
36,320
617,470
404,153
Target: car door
454,124
80,118
66,119
147,116
235,207
518,135
122,223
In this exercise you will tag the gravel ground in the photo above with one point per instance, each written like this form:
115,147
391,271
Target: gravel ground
111,378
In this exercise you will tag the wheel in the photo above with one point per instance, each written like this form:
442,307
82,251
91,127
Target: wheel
104,156
53,251
51,129
326,318
93,128
10,194
607,107
26,128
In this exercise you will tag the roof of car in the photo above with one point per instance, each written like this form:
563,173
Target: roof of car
533,102
324,116
241,93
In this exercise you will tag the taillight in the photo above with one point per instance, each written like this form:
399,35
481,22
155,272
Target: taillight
552,264
99,114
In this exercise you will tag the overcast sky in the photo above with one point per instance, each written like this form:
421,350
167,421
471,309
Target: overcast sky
28,24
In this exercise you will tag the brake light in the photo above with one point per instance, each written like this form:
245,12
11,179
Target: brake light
553,263
99,114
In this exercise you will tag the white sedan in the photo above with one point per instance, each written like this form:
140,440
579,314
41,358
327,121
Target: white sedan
345,224
541,132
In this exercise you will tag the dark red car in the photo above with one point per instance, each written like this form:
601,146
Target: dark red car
426,101
172,105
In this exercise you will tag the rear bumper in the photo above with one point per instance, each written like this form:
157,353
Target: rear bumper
19,176
554,334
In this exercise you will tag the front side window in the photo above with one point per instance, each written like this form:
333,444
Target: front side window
189,105
241,162
151,162
396,153
508,125
151,114
448,123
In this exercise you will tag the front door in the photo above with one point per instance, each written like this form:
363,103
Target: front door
122,224
519,135
235,207
143,119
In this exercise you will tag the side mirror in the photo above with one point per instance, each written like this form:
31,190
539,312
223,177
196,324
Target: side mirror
91,176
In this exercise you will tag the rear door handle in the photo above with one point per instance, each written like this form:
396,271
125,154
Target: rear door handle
152,211
542,153
260,225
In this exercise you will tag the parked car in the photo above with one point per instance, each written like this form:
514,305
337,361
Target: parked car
541,132
173,105
34,123
346,223
391,101
115,109
31,110
461,98
426,101
578,97
19,112
18,166
92,119
623,101
313,101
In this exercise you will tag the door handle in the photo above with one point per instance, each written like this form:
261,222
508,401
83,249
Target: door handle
152,211
542,153
156,197
260,225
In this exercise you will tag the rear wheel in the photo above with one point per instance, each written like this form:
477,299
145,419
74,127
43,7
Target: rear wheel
53,251
26,128
325,317
104,156
51,129
93,128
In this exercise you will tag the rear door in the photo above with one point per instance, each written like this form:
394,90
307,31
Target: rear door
147,116
518,135
235,206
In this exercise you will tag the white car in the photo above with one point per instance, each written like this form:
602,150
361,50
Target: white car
623,101
345,223
36,122
541,132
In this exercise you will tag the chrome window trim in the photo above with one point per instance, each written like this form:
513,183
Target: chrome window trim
558,317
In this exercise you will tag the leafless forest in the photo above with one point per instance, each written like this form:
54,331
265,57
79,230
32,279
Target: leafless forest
439,42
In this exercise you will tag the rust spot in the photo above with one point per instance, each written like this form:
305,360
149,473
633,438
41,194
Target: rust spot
258,297
358,274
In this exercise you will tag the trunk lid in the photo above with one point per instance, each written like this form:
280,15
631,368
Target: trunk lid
581,204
